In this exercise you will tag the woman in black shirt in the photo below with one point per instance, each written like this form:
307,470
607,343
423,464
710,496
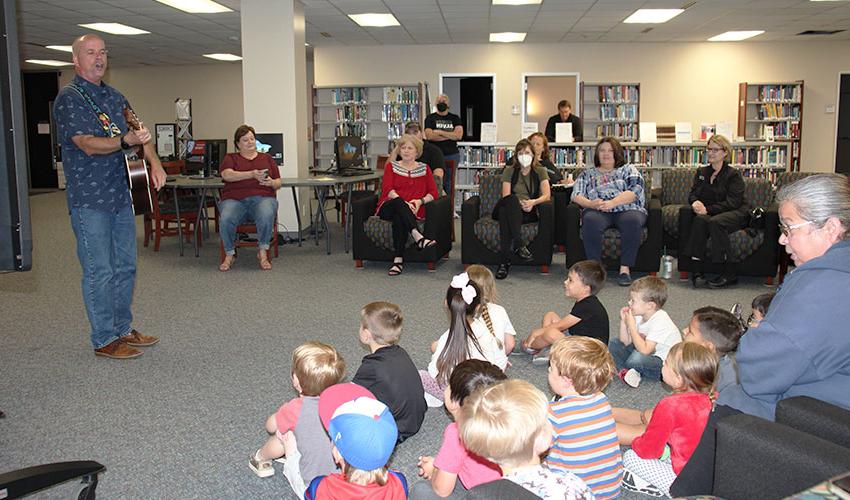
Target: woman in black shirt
717,199
541,152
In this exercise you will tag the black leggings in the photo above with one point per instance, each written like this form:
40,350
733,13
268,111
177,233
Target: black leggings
404,221
511,217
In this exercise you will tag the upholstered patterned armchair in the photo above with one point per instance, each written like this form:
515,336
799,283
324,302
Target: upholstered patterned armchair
480,232
372,237
675,185
755,250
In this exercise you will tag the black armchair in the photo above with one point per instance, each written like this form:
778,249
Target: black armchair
755,250
480,233
372,237
755,458
649,253
23,482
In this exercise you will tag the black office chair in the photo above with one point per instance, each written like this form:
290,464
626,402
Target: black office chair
23,482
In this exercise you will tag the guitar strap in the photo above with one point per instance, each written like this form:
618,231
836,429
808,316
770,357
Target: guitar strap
106,123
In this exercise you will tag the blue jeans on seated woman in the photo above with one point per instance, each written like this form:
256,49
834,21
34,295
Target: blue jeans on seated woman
259,209
630,224
626,356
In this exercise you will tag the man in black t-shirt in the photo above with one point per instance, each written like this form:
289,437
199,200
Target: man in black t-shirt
444,129
564,116
431,154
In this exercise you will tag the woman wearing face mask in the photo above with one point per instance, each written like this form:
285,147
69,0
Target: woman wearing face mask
525,184
611,195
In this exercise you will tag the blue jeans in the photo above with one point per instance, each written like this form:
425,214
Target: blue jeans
447,172
106,248
260,209
626,356
630,224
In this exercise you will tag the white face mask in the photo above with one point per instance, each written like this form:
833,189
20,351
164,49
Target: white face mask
524,159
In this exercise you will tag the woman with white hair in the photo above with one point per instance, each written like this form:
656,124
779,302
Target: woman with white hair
801,347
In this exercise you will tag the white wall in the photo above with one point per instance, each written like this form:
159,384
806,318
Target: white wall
696,82
215,90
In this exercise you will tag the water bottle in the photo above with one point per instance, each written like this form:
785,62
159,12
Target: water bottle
666,266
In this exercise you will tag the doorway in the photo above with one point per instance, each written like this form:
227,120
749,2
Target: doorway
842,135
40,90
543,91
473,98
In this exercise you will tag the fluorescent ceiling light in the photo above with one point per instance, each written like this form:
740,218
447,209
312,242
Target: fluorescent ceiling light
507,37
375,20
49,62
114,28
735,36
63,48
517,2
223,57
652,16
197,6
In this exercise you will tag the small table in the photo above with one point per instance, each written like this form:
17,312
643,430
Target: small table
201,184
321,184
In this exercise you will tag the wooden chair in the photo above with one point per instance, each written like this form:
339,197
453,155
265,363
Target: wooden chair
250,227
162,221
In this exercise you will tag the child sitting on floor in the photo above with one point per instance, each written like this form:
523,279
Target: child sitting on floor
387,370
455,470
719,331
507,424
296,431
588,316
664,439
646,332
493,317
580,368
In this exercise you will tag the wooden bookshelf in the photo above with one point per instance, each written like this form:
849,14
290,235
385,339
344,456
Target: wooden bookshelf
375,113
610,109
776,107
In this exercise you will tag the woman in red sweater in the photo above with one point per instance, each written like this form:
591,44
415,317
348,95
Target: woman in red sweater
250,181
662,447
407,186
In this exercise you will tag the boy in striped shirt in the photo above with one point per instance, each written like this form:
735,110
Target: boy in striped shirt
585,433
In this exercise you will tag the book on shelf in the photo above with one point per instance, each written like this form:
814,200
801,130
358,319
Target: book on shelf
684,134
780,93
648,132
618,93
706,130
725,129
348,95
564,132
489,132
625,131
618,112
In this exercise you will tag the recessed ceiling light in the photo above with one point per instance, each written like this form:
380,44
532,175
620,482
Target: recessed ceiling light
735,36
224,57
507,37
63,48
196,6
114,28
375,20
652,16
49,62
517,2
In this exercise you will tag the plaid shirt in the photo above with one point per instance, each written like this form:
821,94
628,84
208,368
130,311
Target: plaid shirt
594,184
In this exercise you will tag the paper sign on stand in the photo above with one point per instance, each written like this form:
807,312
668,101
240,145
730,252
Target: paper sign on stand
564,132
683,133
725,129
488,132
528,128
768,133
648,132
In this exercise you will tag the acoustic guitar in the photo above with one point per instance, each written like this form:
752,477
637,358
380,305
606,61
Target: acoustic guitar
138,179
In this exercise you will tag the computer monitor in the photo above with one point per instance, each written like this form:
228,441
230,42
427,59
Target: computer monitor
271,144
214,151
348,151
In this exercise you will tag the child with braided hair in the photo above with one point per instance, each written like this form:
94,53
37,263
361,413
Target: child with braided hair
493,317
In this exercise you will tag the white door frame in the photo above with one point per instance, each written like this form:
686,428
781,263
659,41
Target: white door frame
461,75
524,87
835,125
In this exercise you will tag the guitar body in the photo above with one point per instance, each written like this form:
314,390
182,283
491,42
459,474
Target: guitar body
139,183
138,179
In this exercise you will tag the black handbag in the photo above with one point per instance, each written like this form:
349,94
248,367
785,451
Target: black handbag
757,218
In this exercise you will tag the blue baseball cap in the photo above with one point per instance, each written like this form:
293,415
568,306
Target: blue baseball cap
365,433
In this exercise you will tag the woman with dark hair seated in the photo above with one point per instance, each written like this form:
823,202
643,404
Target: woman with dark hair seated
717,199
541,153
406,187
611,194
525,184
250,181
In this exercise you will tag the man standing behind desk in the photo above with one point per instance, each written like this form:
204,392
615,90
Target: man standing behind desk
94,136
564,116
444,129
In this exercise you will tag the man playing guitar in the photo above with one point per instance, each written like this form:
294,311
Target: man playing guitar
94,136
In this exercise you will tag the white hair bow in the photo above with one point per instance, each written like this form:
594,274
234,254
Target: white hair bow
467,291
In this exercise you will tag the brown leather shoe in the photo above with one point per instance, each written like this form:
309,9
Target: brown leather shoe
118,350
136,339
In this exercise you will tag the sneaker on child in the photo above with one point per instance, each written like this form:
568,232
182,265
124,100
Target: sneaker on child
631,377
638,484
262,468
541,358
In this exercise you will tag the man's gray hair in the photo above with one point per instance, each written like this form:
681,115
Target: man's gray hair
819,197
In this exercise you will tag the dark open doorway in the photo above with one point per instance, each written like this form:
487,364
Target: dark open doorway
842,136
471,98
40,90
